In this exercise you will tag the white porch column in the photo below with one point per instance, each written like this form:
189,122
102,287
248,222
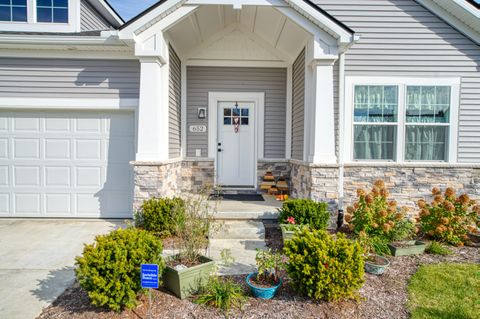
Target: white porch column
321,115
152,142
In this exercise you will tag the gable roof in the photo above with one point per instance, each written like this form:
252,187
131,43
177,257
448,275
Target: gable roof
107,11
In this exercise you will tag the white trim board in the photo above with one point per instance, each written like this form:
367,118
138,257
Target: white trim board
401,82
256,97
67,103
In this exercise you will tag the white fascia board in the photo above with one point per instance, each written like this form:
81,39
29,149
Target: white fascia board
59,39
239,4
149,19
67,103
106,10
448,17
322,21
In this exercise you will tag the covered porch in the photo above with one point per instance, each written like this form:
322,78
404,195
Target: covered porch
229,91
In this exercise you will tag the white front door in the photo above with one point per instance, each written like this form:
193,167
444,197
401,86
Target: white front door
236,144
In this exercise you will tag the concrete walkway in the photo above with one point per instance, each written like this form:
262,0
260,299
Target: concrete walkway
37,260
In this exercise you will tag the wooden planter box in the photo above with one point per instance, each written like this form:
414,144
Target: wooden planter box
287,234
185,282
415,247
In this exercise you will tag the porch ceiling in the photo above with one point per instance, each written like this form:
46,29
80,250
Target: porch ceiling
267,26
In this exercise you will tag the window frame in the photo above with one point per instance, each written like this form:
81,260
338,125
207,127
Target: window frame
11,6
401,83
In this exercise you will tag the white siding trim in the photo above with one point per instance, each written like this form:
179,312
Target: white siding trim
67,103
401,82
237,63
183,104
288,115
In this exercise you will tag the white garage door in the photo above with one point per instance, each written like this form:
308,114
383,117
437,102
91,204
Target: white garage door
66,164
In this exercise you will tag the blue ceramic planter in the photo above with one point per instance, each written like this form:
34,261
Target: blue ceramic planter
264,293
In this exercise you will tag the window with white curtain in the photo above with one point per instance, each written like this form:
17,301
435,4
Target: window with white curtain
402,119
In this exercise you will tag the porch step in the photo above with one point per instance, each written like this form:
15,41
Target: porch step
240,229
241,239
242,215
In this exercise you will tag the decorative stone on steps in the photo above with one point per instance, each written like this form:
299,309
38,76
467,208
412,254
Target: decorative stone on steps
241,239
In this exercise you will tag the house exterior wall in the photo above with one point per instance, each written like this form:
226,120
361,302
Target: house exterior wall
402,38
174,105
90,19
298,106
272,81
69,78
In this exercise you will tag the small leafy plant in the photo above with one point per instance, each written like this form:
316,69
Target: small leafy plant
435,248
109,269
305,212
449,218
161,215
269,263
374,216
223,294
324,267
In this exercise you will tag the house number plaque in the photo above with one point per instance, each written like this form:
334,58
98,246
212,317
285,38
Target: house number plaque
198,128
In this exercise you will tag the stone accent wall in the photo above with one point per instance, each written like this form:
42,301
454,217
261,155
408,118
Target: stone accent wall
197,175
155,180
408,183
277,168
315,182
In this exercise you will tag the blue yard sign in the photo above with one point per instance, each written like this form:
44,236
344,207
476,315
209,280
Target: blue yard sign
149,275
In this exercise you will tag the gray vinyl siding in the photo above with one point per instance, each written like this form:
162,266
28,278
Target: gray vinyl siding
90,19
402,38
271,81
69,78
298,106
174,106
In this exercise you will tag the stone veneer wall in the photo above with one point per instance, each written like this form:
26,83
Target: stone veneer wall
407,183
276,167
155,180
197,175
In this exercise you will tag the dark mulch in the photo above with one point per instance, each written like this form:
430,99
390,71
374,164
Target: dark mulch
381,296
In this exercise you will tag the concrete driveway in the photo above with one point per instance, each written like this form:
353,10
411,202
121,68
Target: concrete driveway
37,260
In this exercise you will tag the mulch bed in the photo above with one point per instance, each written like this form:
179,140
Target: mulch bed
382,296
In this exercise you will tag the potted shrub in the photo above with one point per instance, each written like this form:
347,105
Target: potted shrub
302,212
449,218
189,270
323,266
407,247
266,281
374,250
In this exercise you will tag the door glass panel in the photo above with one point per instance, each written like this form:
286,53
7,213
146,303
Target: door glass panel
227,120
227,111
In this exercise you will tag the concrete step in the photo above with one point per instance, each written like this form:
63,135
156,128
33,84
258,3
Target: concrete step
240,229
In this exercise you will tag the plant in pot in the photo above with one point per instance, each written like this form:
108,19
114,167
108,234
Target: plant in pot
403,242
189,270
377,221
266,281
296,213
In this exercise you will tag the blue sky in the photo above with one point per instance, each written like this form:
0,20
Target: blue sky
130,8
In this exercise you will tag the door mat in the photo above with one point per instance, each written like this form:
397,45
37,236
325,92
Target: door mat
239,197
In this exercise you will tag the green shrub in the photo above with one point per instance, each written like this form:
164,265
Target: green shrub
161,215
323,267
449,218
109,269
435,248
223,294
305,212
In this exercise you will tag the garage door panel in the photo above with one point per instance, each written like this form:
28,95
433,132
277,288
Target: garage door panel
26,148
28,203
88,149
66,163
3,148
55,125
4,204
29,124
88,177
58,204
57,176
57,148
26,176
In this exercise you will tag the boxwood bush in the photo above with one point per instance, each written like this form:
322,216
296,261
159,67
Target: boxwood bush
109,269
161,215
322,267
305,212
